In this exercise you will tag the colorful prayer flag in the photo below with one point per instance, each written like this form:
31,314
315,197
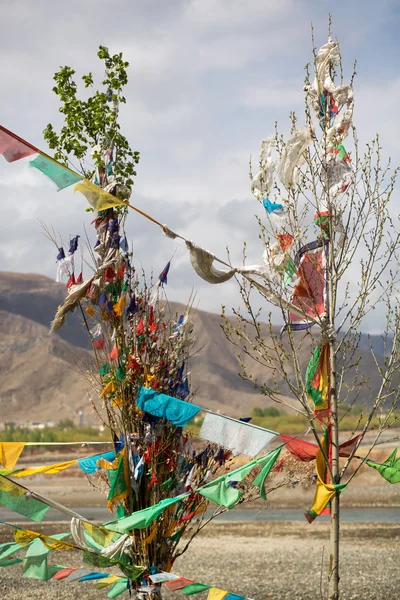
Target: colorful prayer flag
317,380
310,295
14,148
60,175
97,198
10,453
324,492
390,469
174,410
13,496
271,207
48,470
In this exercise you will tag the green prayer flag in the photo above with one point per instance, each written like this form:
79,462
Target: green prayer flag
390,469
120,374
177,535
143,518
118,588
13,496
221,492
8,562
195,588
105,369
311,370
8,549
116,479
60,175
289,272
35,562
265,471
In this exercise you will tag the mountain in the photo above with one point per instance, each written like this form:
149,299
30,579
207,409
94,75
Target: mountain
41,373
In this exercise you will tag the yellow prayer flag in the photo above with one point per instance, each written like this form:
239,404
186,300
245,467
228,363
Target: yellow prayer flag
97,198
10,487
47,470
25,537
152,534
216,594
117,402
120,306
324,492
9,453
99,534
108,389
107,581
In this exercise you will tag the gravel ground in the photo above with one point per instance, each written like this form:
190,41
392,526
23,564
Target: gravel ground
263,561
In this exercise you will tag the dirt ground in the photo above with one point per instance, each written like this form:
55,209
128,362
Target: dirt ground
262,561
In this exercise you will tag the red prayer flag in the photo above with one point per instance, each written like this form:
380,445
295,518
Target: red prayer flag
71,281
14,148
178,584
109,274
305,451
121,271
99,345
285,240
140,327
310,290
114,353
79,278
153,481
63,573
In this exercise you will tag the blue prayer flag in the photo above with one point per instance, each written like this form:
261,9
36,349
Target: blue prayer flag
177,411
89,464
271,207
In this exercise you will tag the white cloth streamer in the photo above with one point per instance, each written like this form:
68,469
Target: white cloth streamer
237,436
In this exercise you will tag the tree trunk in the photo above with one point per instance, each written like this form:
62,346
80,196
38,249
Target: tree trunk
335,505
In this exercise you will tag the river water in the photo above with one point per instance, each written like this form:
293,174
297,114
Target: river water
348,515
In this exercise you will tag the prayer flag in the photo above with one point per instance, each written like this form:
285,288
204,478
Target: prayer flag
324,492
63,573
141,519
13,496
35,561
14,148
118,588
89,465
309,295
59,174
178,584
164,273
195,588
390,469
118,478
97,198
317,380
174,410
305,451
216,594
240,437
10,453
234,597
109,581
48,470
265,471
271,207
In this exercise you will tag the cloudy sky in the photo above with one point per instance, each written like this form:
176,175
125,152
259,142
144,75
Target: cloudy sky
208,79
